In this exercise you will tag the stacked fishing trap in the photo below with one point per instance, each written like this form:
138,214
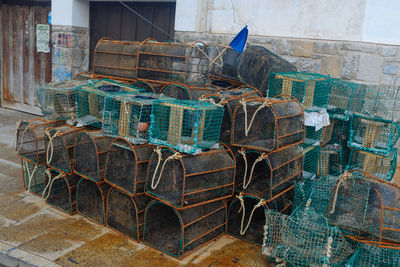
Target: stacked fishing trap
175,145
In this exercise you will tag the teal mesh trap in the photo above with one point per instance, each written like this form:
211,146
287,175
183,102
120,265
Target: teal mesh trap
187,126
90,99
336,133
310,161
304,238
34,176
129,116
313,137
311,89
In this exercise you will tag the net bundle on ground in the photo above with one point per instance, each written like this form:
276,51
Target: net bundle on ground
33,176
90,99
304,238
268,123
129,116
229,99
311,89
90,154
246,214
185,180
188,92
256,65
179,232
187,126
57,100
125,213
30,136
126,165
60,145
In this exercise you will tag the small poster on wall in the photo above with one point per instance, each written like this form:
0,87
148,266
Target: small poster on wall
43,38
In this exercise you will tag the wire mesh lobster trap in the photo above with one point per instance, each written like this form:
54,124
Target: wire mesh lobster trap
172,62
223,64
229,99
311,89
60,190
313,137
274,123
373,134
187,126
179,232
304,238
186,180
268,174
147,87
90,99
57,100
90,154
30,136
129,116
366,204
382,166
33,176
185,92
246,214
91,200
256,64
115,59
126,165
125,213
337,132
60,144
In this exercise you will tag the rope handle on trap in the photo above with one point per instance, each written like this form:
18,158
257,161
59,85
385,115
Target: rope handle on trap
50,146
30,174
23,135
266,102
262,202
210,100
157,150
260,158
50,182
343,177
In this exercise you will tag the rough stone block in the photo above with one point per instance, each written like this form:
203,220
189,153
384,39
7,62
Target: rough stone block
76,58
388,51
391,68
370,68
330,48
362,47
350,66
305,64
331,65
292,60
303,49
387,79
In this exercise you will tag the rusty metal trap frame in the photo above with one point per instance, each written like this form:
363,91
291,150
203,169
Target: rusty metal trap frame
146,86
268,174
273,123
90,99
363,203
188,92
223,64
304,238
229,99
187,126
91,200
172,62
311,89
256,65
59,144
30,135
57,100
60,190
125,213
126,165
129,116
373,134
179,232
382,166
33,176
186,180
90,154
246,214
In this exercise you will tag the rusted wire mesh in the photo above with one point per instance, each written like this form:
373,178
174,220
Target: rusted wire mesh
127,165
90,155
125,213
30,136
268,124
34,176
223,64
186,92
178,232
186,180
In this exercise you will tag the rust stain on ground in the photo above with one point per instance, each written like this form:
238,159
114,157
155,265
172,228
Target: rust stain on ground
18,210
149,257
106,250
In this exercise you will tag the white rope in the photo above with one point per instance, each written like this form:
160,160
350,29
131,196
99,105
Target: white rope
243,153
176,155
244,104
328,249
212,101
260,158
30,175
50,182
50,146
22,138
259,204
343,177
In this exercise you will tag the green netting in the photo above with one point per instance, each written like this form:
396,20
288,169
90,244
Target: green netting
129,116
90,99
188,126
373,133
57,100
313,137
311,89
310,161
34,177
382,166
304,239
372,255
337,132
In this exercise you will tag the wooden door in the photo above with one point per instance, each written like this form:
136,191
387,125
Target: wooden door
23,68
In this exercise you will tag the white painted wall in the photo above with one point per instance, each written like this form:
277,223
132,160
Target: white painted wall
348,20
70,13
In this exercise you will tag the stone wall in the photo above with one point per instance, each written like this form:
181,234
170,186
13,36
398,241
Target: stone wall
362,62
70,51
